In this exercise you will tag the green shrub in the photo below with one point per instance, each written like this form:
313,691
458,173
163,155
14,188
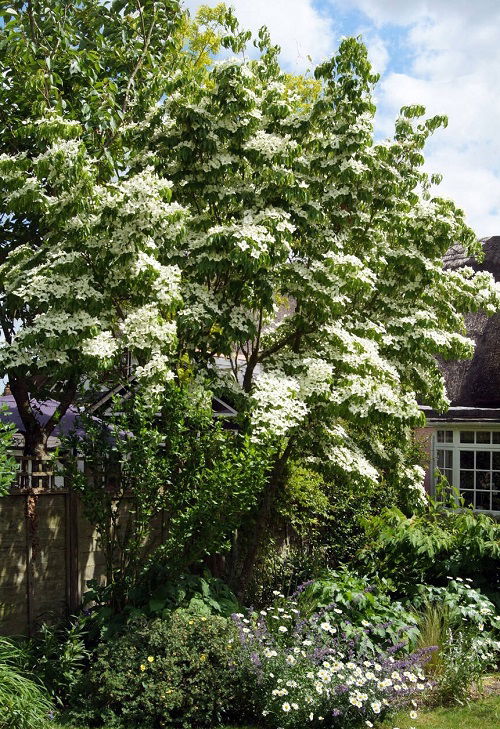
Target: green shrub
465,605
359,608
463,625
200,595
463,665
162,673
23,703
460,658
436,542
157,595
58,654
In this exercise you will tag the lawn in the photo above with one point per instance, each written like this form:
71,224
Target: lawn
480,714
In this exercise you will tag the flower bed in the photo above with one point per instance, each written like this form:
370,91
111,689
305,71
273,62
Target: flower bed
312,672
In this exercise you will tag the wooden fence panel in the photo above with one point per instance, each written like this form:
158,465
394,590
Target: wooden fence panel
46,560
13,566
44,571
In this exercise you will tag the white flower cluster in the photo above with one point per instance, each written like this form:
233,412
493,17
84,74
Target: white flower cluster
102,346
277,405
157,372
145,329
270,145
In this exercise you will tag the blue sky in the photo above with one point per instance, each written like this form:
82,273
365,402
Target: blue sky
444,54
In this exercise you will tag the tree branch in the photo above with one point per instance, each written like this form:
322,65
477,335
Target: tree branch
138,65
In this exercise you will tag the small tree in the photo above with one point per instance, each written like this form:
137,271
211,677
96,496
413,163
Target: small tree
163,483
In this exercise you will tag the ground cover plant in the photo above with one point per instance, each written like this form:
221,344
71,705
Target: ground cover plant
23,701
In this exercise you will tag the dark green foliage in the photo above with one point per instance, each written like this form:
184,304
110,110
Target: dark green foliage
163,673
164,485
156,595
360,605
23,702
58,655
316,523
8,464
436,542
205,595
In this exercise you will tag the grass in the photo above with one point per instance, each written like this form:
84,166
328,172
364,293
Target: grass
480,714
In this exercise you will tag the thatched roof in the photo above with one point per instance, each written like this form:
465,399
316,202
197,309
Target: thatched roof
476,382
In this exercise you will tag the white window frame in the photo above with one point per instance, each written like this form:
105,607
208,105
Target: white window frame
456,446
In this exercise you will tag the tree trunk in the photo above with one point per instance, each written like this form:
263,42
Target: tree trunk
35,442
261,525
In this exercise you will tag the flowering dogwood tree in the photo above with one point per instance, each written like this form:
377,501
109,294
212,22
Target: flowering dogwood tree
83,276
156,202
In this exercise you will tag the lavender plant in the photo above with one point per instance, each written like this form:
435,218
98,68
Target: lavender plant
310,671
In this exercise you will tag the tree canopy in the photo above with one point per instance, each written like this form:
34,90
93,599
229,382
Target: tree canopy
168,194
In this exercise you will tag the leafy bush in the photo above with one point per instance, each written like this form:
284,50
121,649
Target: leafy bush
308,671
434,543
465,605
171,460
462,624
23,703
157,596
58,655
360,608
463,664
162,673
205,595
458,661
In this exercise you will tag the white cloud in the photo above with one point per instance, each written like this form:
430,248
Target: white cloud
452,56
297,26
377,49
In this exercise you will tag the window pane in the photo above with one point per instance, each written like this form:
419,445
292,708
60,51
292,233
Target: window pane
449,436
495,500
483,459
466,436
466,479
440,436
448,474
495,480
440,459
496,437
496,461
483,500
448,459
468,497
483,480
483,436
466,459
